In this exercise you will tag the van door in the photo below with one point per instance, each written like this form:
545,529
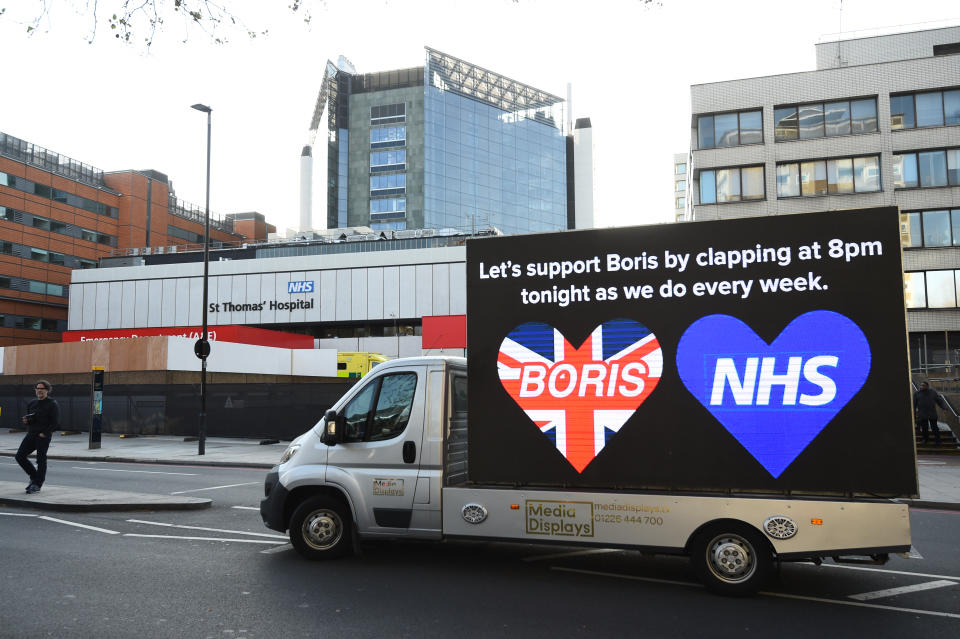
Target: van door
379,459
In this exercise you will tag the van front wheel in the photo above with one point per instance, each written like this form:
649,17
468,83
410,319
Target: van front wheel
320,529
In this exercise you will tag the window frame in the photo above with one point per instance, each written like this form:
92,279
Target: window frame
796,108
912,95
390,118
900,157
715,170
396,189
394,211
713,116
388,142
826,163
377,387
396,166
953,227
926,288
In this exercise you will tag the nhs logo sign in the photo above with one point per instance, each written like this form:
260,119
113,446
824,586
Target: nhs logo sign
774,398
305,286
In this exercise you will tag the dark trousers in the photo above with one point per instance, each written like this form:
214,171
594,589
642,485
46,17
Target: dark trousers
34,442
926,423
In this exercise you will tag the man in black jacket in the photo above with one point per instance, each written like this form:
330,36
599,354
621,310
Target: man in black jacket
925,402
42,417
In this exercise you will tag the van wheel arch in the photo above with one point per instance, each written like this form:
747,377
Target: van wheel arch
298,495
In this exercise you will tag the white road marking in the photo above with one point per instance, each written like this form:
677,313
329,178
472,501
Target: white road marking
892,572
892,592
196,490
233,532
18,515
595,551
913,611
631,577
240,541
270,551
246,507
122,470
73,523
913,554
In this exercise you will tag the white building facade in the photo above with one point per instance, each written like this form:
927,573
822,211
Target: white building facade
285,294
876,124
680,186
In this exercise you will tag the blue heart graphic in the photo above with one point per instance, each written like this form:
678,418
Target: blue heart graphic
774,399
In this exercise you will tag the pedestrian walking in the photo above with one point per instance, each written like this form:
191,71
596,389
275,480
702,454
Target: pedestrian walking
41,419
925,402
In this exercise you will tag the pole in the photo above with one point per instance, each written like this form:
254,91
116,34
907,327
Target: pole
203,349
206,274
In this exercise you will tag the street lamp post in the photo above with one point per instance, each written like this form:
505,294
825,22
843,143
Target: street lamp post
202,347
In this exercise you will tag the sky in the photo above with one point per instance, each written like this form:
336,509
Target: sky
120,106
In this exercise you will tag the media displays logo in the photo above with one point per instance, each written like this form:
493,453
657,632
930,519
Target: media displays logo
774,398
559,518
580,397
305,286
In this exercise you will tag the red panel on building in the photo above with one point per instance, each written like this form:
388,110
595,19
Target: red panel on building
230,333
444,331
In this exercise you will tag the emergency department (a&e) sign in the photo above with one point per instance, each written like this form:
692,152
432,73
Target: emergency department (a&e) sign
752,354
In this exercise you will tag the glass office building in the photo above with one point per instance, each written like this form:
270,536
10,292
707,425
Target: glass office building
449,145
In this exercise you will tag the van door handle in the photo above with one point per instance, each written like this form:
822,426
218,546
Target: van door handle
409,452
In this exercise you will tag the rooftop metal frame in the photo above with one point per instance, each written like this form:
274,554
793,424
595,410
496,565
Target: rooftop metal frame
47,160
459,76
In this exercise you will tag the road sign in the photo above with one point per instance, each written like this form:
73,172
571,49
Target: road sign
201,348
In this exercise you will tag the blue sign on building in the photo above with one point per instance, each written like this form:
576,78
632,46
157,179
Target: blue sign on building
305,286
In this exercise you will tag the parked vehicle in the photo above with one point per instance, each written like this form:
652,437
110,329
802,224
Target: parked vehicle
355,365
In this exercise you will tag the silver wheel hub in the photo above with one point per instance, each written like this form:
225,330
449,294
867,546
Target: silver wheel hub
731,558
322,529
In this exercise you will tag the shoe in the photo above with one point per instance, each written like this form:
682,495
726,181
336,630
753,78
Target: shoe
33,488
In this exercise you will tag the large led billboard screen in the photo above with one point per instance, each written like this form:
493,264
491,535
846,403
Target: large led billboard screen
765,354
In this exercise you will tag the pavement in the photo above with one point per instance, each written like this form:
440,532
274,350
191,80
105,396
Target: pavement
939,475
218,451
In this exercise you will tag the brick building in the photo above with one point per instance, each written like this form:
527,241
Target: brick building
57,214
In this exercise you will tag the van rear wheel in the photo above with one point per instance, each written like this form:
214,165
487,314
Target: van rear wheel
731,559
320,528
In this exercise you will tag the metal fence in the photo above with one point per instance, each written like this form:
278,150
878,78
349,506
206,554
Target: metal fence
279,411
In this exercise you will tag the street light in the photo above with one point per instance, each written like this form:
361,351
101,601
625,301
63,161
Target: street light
202,347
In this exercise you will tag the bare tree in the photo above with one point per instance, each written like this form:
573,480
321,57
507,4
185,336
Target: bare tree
139,21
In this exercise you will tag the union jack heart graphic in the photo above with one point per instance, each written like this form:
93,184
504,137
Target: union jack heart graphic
580,397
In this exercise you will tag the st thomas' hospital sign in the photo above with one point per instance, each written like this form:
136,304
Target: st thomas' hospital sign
272,305
293,287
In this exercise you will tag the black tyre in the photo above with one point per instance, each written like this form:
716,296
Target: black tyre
320,528
731,559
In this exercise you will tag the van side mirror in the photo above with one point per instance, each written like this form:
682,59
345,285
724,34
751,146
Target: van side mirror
331,433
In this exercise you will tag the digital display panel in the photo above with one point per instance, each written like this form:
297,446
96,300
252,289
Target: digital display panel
764,354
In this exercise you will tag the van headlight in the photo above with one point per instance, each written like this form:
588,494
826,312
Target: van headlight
288,453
